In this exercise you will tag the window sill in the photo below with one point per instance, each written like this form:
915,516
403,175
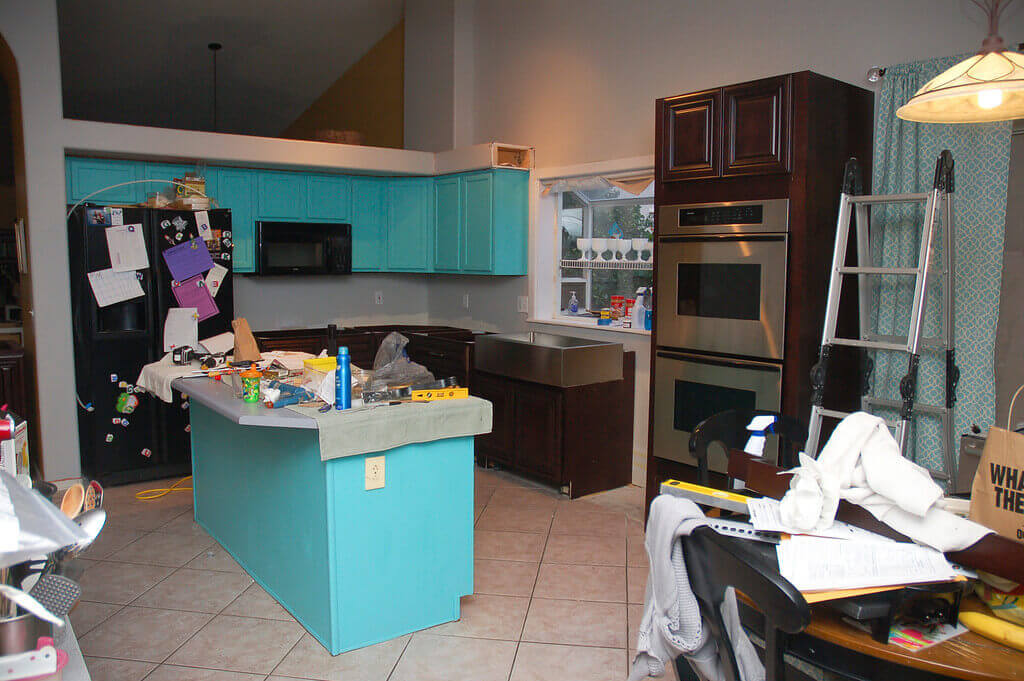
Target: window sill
592,325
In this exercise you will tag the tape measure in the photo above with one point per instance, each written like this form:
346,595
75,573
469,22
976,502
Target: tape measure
440,394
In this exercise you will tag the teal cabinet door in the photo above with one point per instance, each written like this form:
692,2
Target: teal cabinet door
369,224
511,222
88,175
328,197
478,222
410,224
236,190
282,196
447,224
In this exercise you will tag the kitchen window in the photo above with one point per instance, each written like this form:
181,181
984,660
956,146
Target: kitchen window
605,245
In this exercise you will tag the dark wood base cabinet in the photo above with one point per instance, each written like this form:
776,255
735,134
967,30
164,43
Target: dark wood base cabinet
578,438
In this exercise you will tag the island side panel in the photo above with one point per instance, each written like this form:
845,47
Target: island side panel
404,553
261,492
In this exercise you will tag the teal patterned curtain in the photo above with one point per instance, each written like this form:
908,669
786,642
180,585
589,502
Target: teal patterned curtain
904,161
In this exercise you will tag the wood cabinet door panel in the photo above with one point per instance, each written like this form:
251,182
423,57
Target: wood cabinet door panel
757,127
538,431
497,445
692,133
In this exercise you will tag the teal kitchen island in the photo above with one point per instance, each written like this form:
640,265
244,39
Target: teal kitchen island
287,496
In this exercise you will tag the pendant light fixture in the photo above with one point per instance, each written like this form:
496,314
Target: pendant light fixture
988,86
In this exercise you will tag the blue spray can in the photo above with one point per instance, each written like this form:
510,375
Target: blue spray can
343,381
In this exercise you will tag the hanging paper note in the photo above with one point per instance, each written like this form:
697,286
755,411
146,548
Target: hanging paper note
127,248
194,293
181,328
111,287
117,216
188,259
214,278
203,225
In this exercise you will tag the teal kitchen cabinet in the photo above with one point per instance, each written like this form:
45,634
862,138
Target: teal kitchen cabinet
282,196
410,224
236,189
478,223
448,224
369,223
87,175
328,197
510,221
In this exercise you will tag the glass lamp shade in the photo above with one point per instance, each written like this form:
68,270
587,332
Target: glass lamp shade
983,88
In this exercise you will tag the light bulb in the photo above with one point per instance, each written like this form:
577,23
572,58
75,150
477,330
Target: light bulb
990,99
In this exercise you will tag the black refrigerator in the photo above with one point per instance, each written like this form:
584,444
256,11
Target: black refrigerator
120,444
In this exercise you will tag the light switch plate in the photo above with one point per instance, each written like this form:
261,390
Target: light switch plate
523,304
374,472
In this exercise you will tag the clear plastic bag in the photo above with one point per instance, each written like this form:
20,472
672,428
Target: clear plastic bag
392,365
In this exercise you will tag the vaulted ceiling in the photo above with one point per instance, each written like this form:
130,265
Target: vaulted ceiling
147,63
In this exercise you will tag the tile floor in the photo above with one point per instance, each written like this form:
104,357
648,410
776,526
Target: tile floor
558,587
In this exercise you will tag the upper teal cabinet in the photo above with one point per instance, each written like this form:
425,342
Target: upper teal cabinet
410,224
369,223
478,208
329,197
236,189
88,175
447,224
282,196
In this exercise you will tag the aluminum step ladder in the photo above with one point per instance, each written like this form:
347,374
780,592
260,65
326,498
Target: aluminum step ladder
937,203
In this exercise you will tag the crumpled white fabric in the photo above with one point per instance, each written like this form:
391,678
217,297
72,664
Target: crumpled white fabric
672,623
862,464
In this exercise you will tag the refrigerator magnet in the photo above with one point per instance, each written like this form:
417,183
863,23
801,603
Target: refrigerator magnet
109,438
117,217
124,423
113,378
179,222
147,452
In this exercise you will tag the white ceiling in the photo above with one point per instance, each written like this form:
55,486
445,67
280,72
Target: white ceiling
145,62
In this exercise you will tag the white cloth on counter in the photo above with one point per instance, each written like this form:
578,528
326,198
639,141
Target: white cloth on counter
156,377
672,624
862,464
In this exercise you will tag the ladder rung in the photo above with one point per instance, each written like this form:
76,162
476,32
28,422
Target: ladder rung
897,404
889,198
926,343
832,413
873,345
912,271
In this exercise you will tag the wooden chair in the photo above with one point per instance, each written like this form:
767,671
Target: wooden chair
729,428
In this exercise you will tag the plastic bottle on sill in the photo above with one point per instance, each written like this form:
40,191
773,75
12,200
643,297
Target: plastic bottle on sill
639,308
574,303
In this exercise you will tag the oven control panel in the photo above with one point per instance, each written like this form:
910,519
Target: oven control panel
737,217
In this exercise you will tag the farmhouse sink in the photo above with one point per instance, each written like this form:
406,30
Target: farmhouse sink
561,361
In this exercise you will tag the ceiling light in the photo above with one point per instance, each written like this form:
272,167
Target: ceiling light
988,86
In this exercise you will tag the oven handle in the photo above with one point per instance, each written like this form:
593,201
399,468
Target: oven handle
721,362
721,237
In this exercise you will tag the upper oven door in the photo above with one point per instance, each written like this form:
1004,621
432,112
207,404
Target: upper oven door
723,294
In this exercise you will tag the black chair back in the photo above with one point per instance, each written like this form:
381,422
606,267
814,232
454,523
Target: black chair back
730,429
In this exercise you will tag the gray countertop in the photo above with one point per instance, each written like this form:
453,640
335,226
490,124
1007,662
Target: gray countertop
219,397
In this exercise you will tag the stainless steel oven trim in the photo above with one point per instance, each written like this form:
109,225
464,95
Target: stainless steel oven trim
775,218
761,338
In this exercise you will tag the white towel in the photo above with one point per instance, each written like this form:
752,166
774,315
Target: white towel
672,624
862,463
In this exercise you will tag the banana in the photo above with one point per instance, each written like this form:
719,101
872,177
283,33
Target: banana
994,628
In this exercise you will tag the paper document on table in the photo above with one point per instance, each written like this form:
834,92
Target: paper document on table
181,328
818,563
765,515
222,342
111,287
127,248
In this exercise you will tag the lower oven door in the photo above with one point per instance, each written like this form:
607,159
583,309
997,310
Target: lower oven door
689,388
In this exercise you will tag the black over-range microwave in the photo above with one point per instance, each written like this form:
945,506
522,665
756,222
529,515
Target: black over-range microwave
303,248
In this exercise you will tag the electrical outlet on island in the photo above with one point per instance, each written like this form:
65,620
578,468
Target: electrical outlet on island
374,472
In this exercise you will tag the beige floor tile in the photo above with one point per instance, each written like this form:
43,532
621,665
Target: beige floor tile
142,634
504,577
546,662
514,519
581,582
173,550
524,497
196,590
310,660
636,554
168,672
86,615
255,602
482,494
241,644
120,582
628,499
111,539
183,524
486,616
145,517
214,558
584,522
635,526
451,658
106,669
576,623
636,582
580,550
634,615
508,545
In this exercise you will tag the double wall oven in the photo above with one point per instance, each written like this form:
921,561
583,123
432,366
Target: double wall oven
721,310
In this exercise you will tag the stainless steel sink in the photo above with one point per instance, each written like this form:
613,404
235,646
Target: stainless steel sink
561,361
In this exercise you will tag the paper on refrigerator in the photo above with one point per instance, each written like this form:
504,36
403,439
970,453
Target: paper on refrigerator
127,248
214,278
181,328
111,287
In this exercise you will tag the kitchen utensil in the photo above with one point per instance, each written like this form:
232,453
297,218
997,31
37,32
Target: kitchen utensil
20,633
56,593
29,603
91,522
43,661
74,497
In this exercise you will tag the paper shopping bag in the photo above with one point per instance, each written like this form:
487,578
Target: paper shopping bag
997,494
245,344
